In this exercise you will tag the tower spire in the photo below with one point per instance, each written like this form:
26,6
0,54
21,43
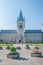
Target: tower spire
20,16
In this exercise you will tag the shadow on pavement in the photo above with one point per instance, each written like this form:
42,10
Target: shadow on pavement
21,58
40,57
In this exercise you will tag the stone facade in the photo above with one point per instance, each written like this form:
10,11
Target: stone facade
20,29
7,37
33,38
20,35
42,37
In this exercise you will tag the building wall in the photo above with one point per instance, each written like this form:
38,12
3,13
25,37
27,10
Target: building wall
33,38
42,37
8,38
29,38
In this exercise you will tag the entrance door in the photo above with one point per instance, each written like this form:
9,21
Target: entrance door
19,41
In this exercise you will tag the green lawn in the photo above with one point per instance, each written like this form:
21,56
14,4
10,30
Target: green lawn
36,44
39,44
3,44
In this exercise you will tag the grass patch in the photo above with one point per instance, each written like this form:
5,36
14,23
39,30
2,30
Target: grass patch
35,44
39,44
3,44
32,44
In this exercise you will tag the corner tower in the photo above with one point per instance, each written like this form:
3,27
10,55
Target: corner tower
20,28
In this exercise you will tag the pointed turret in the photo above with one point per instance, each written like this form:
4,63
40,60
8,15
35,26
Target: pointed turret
20,17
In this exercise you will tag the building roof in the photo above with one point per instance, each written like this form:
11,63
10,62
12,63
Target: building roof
33,31
8,31
14,31
20,17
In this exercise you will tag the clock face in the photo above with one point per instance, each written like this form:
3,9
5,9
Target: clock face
20,26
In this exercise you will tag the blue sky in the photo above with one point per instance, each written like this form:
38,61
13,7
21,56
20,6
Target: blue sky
32,10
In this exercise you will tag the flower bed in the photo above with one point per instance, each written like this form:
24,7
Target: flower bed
13,53
1,48
36,53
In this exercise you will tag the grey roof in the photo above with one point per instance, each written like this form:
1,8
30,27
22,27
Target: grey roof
8,31
20,17
33,31
14,31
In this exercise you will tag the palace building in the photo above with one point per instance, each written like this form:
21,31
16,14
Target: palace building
21,35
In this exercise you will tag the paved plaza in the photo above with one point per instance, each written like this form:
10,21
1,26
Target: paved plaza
25,57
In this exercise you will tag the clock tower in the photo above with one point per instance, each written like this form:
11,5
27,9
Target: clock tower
20,28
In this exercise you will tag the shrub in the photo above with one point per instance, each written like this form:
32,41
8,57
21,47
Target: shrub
27,46
12,49
8,47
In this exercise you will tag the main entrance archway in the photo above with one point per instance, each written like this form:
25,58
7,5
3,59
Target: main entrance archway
20,41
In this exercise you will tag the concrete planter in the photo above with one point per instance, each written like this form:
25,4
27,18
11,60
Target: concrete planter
1,48
13,55
36,47
39,54
8,47
19,48
27,46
